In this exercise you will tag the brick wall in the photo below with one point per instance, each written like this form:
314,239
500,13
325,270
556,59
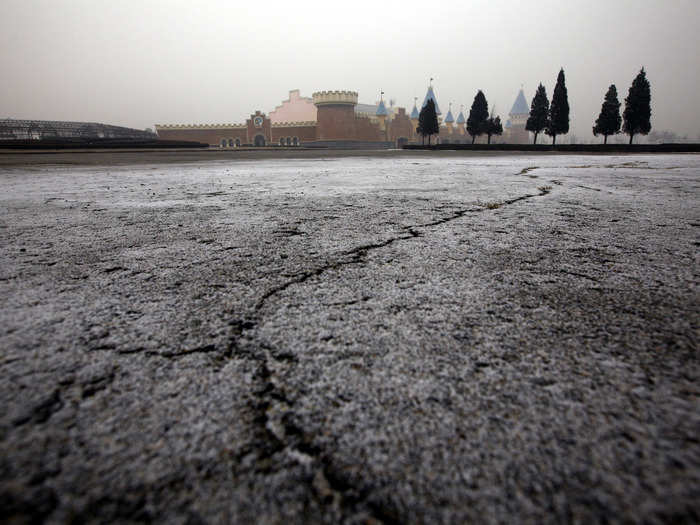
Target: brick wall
211,136
303,134
401,126
336,122
366,130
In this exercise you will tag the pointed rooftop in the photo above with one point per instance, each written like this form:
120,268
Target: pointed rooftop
449,117
431,95
414,113
381,109
460,118
520,106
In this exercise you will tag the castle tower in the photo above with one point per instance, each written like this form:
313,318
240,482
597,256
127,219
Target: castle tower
461,121
449,119
381,114
516,132
430,95
335,115
414,116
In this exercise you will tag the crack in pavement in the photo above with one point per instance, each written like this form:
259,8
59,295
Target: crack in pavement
278,433
356,256
358,253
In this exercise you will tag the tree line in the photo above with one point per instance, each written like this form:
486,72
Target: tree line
636,119
553,118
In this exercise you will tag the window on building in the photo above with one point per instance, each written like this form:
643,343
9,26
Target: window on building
230,143
223,143
295,141
281,141
289,141
238,143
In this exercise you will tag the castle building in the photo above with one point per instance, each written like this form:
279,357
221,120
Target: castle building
327,119
337,119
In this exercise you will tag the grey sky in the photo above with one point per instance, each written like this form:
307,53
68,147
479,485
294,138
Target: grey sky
142,62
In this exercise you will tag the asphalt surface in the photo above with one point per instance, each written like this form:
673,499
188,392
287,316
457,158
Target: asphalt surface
379,338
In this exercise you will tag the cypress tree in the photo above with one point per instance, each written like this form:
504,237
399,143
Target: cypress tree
478,115
558,123
428,121
493,127
609,120
637,114
539,108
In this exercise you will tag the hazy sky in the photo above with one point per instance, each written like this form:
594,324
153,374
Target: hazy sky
140,62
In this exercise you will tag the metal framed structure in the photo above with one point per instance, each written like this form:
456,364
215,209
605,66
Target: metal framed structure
11,129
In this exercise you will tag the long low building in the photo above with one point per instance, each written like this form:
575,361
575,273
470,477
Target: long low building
12,129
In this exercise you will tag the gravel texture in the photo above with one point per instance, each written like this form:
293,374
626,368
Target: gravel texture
371,338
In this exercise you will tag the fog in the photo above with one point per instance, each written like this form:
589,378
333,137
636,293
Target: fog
137,63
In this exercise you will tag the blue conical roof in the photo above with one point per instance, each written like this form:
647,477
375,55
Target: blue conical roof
414,113
430,95
460,118
381,109
520,106
449,117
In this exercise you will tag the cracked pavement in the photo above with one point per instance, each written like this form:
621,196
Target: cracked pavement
373,338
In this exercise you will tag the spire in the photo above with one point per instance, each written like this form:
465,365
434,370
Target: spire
431,95
449,118
460,117
414,113
381,108
520,106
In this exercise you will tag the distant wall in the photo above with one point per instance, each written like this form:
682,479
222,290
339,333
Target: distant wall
350,144
303,133
366,130
209,135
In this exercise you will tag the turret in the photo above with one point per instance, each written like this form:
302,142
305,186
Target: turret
461,121
381,114
520,110
335,115
414,116
431,95
449,119
515,131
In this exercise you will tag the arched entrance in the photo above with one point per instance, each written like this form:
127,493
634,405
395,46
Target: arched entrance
259,141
